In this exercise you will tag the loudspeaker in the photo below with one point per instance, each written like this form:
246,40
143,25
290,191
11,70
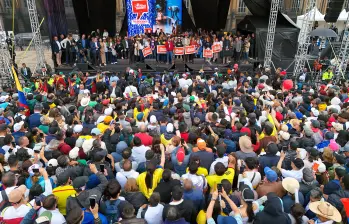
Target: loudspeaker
82,66
246,68
333,10
123,61
150,61
199,61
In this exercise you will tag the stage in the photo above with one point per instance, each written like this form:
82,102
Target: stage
152,66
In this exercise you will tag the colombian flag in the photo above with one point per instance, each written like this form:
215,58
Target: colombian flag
21,98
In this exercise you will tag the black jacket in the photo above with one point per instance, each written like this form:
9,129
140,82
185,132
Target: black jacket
272,213
165,190
137,199
335,198
186,210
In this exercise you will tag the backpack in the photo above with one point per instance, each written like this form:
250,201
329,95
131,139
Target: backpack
4,203
145,89
112,212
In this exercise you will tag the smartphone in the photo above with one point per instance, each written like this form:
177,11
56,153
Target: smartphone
36,170
92,202
41,135
241,186
182,141
37,201
284,148
242,168
101,166
219,188
37,151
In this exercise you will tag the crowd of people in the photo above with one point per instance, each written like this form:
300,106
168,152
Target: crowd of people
101,49
174,148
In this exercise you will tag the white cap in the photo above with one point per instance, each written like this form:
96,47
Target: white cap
108,111
315,112
78,128
4,98
335,101
169,128
52,162
321,168
18,126
100,119
153,119
74,153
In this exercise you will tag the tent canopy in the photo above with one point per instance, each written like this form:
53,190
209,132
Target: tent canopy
285,39
316,15
343,15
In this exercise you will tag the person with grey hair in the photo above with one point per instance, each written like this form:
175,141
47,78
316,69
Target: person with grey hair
152,213
314,195
173,216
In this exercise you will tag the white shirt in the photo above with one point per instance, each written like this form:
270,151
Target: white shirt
199,181
297,174
153,215
223,160
105,34
129,90
11,213
183,82
249,175
57,217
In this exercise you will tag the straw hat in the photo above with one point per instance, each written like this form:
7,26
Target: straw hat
326,210
290,184
245,144
85,101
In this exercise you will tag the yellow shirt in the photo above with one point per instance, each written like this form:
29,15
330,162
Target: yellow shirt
102,127
143,187
213,180
201,171
164,140
62,193
86,137
201,218
270,119
135,113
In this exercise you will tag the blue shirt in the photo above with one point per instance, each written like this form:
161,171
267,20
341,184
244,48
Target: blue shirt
83,43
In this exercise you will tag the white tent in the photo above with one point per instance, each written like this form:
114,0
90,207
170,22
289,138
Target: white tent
343,15
315,15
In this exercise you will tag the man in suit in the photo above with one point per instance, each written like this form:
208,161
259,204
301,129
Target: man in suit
57,50
209,86
26,72
95,47
114,90
83,45
126,44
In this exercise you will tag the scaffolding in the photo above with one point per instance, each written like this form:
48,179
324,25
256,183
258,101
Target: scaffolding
35,25
304,38
5,60
343,52
271,33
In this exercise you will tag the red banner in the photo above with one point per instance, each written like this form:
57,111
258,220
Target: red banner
146,51
208,53
161,49
139,7
178,50
190,49
216,48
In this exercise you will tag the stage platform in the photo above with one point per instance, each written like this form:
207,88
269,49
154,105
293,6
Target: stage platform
151,66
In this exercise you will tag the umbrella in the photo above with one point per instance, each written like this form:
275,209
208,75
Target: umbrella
323,32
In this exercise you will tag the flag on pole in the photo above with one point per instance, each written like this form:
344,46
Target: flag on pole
21,97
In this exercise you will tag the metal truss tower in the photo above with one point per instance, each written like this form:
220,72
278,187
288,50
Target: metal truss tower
35,25
344,51
271,32
5,60
304,38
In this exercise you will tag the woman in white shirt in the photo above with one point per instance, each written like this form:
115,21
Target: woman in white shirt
215,55
251,172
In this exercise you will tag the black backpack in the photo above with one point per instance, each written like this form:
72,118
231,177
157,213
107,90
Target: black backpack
145,88
5,202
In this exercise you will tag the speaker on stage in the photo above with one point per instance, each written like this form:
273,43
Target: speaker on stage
199,61
150,61
123,61
333,10
82,66
246,68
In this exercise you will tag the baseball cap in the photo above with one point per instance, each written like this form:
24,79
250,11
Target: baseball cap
20,109
78,128
79,182
52,162
340,159
180,155
270,174
45,217
315,123
95,131
17,194
63,178
18,126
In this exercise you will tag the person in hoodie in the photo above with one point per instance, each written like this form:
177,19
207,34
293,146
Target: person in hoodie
326,142
273,211
168,135
187,116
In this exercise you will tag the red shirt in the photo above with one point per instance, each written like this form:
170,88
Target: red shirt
185,136
146,139
169,45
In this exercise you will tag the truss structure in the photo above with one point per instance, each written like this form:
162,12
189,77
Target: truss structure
304,38
271,32
344,51
35,25
5,60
